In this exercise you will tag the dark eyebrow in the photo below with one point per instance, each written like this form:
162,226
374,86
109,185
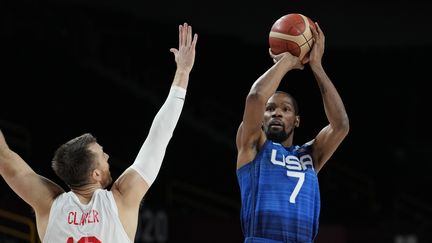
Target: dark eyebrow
283,102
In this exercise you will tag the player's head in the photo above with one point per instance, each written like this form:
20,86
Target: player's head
281,116
81,161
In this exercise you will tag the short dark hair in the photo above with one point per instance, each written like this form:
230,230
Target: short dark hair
73,161
296,108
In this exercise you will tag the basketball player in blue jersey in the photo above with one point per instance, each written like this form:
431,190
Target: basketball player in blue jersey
280,197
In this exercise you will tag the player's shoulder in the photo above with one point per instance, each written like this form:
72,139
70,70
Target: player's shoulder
305,148
310,143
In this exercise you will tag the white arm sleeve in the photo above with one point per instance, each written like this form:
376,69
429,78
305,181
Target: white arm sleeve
152,152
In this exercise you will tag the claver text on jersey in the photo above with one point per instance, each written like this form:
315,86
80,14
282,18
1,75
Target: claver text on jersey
82,218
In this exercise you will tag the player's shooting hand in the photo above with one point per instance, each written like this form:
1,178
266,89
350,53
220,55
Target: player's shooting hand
315,55
293,60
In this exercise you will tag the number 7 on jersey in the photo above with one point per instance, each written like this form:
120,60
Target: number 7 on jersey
300,176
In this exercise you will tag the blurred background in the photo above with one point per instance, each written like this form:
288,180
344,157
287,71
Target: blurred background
104,67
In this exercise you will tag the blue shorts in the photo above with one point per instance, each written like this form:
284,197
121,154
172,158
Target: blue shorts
263,240
260,240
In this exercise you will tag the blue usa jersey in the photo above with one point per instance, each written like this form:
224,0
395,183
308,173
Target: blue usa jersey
280,198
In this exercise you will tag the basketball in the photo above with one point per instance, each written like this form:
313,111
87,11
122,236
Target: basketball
291,33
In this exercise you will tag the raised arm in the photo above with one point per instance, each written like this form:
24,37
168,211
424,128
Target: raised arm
249,133
134,182
36,190
331,136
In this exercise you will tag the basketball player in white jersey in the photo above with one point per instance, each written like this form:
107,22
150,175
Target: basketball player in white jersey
89,212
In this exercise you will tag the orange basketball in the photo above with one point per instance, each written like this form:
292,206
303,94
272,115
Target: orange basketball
291,33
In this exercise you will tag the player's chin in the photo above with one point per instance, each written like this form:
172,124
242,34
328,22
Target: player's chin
275,129
276,136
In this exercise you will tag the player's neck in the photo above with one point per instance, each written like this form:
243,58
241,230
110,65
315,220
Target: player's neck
85,193
288,142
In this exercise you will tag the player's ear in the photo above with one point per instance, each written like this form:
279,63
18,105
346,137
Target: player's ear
297,121
96,174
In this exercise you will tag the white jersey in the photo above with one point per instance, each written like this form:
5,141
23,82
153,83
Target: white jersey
70,221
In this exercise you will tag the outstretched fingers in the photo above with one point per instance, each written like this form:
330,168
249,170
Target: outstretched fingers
189,35
180,35
189,39
186,36
185,33
194,41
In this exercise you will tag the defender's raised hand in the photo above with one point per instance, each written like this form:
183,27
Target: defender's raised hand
185,54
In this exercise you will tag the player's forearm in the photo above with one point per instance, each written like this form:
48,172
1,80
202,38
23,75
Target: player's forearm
167,117
11,164
267,84
152,152
333,105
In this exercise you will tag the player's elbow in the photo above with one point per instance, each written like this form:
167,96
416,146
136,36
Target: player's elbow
343,126
5,156
4,150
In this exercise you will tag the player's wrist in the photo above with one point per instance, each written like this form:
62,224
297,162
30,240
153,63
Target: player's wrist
183,71
316,66
289,61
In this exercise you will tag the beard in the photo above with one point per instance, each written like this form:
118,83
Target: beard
277,136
